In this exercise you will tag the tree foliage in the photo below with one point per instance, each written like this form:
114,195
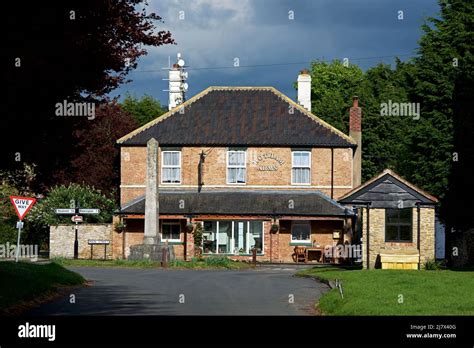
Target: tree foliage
96,160
43,214
66,197
76,51
8,216
333,85
435,152
144,109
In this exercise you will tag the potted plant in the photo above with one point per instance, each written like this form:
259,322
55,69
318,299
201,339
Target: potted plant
275,228
120,226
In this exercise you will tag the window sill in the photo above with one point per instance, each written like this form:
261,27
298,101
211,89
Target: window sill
301,244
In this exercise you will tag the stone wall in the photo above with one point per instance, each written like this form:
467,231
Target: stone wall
61,240
427,234
377,242
133,170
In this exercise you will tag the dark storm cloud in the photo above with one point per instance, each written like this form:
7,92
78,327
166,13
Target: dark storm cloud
214,32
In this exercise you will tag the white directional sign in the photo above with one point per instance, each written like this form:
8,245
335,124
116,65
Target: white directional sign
89,211
22,205
65,211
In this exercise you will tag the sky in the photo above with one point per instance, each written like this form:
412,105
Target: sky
273,40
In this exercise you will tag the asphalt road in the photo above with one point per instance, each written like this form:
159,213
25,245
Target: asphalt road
122,291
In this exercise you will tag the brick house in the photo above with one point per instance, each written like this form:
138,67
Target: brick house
255,168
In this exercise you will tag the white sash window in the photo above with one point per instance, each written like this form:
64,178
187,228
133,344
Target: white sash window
171,167
301,168
236,168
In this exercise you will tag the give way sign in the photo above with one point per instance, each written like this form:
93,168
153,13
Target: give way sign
22,205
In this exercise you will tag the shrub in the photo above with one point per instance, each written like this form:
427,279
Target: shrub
433,265
221,261
8,234
43,213
197,237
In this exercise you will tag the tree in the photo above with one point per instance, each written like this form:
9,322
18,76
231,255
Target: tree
383,137
8,217
75,51
445,47
42,215
96,161
332,88
458,206
143,110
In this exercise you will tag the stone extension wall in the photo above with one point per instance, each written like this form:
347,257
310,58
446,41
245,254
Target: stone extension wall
377,242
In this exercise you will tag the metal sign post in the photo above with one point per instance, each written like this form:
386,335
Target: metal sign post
22,206
76,218
19,225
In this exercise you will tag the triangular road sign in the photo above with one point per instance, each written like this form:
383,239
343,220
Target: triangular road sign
22,205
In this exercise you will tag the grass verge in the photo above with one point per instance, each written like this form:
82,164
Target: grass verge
393,292
23,281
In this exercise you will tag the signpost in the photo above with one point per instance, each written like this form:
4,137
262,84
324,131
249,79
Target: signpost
103,242
89,211
65,211
76,218
22,207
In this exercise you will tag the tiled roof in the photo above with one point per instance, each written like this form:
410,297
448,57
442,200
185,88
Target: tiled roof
242,202
239,116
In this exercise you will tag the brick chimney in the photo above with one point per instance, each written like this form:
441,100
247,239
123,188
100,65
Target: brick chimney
304,89
355,132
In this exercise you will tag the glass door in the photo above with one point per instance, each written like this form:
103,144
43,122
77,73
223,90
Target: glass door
240,236
225,237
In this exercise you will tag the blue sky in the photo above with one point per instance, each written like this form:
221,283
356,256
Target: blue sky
260,32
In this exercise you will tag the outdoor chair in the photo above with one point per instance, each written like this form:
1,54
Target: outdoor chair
300,253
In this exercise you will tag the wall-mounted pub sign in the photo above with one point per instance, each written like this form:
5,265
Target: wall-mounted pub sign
268,162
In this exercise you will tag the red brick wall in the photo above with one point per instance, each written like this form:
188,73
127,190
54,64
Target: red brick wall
277,246
133,170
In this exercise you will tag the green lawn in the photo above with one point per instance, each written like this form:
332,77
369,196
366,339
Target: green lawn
24,281
378,292
206,263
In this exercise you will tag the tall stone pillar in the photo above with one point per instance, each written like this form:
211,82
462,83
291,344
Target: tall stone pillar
152,218
152,247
